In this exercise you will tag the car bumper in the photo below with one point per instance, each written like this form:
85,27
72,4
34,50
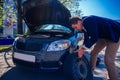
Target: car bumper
43,61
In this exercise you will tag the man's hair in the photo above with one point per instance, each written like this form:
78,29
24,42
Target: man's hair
73,20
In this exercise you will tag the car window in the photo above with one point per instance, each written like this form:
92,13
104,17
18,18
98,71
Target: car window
53,27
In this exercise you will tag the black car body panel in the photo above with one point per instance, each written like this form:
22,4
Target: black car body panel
39,12
37,45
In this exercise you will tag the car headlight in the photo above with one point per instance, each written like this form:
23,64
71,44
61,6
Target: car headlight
59,45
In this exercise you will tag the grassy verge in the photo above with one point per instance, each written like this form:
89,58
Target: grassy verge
3,47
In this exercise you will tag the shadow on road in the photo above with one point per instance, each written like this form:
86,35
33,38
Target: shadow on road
22,74
16,73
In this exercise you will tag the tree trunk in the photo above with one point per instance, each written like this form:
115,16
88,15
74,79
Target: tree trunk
19,17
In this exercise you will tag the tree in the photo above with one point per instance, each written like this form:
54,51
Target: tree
1,12
9,11
73,6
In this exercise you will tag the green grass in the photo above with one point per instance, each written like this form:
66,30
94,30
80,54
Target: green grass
2,47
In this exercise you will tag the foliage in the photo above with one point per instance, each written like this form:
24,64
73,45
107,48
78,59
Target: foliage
9,17
73,6
1,13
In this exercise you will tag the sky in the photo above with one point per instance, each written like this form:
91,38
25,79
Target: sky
103,8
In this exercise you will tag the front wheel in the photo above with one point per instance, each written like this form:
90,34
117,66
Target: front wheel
77,68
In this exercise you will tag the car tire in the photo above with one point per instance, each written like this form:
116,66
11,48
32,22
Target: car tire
77,68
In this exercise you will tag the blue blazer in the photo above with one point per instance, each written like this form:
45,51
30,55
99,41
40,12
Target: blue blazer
99,27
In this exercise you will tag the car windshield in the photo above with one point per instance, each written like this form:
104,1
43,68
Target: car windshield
53,27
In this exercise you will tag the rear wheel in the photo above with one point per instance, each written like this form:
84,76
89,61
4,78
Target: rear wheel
77,68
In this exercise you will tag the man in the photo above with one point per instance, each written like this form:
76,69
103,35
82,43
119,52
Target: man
102,32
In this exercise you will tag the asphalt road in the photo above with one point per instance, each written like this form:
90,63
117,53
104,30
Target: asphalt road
23,74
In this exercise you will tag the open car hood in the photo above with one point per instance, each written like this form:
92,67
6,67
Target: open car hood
39,12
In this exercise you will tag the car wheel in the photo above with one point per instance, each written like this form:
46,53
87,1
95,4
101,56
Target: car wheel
77,68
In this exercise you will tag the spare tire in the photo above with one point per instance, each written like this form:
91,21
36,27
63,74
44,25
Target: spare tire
77,68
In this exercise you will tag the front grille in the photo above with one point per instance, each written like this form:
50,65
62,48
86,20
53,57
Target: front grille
49,64
29,45
33,47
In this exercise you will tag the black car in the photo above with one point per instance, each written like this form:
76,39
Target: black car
51,43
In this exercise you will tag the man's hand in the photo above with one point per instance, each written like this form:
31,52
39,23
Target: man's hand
80,52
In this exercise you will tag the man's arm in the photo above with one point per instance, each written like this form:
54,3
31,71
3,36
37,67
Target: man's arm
91,34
